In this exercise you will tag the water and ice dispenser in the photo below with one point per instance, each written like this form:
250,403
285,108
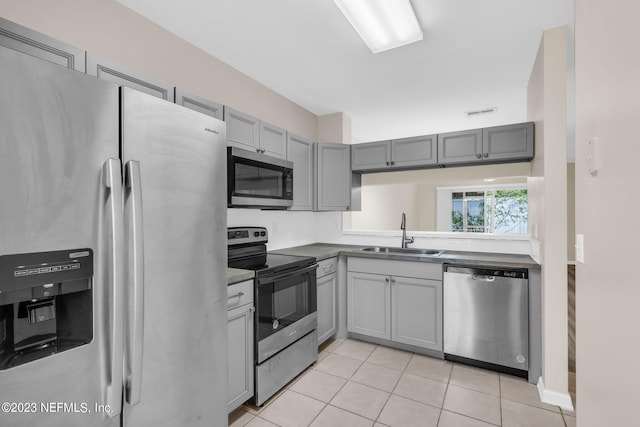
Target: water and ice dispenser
46,304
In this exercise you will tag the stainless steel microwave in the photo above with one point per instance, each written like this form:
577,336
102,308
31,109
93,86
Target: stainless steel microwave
255,180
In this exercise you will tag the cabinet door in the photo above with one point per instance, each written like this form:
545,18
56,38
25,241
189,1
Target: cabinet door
273,141
460,147
300,152
327,323
369,304
36,44
242,130
413,152
199,104
417,312
333,177
511,142
240,356
370,156
110,71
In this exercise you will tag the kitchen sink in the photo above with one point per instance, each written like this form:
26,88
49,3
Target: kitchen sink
404,251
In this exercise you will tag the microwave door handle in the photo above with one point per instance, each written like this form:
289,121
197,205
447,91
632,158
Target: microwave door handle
114,305
289,273
133,194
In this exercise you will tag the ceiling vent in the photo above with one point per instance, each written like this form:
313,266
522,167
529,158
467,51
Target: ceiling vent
481,111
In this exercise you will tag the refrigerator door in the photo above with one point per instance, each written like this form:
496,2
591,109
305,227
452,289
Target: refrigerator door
58,128
181,157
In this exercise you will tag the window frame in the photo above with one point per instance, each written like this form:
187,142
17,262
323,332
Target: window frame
444,199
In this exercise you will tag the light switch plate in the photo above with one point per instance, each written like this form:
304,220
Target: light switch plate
580,248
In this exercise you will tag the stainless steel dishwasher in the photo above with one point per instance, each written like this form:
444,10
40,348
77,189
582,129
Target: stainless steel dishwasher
486,317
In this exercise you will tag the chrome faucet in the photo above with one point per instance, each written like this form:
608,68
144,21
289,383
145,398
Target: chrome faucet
403,227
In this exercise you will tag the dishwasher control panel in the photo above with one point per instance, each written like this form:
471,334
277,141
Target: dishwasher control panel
516,273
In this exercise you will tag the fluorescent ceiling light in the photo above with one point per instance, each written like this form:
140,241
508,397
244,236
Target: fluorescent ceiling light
382,24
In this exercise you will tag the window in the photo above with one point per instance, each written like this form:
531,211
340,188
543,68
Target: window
498,209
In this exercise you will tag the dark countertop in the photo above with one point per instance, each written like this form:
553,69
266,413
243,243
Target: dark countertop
235,275
322,251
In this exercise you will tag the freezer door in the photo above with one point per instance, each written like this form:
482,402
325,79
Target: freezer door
58,128
181,157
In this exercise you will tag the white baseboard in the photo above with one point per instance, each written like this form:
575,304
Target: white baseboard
562,400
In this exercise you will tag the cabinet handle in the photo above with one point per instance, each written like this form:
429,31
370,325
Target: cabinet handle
393,281
479,156
486,155
388,163
257,150
386,279
238,295
262,151
393,163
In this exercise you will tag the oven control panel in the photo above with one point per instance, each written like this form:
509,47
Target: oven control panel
243,235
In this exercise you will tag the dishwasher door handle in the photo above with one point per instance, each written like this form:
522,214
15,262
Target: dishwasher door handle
484,278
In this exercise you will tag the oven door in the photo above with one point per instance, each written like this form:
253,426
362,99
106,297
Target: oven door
257,180
286,309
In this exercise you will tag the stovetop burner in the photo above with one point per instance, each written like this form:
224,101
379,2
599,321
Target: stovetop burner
248,250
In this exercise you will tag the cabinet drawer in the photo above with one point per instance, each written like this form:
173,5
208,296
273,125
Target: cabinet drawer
239,294
327,266
417,269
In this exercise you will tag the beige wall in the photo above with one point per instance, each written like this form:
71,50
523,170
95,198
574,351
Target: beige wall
386,195
607,284
547,107
108,29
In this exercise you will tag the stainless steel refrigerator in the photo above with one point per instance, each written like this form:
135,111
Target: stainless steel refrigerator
112,254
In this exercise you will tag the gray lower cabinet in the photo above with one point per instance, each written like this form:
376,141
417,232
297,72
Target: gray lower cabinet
495,144
333,177
36,44
250,133
300,152
327,288
405,153
416,312
110,71
399,301
369,304
199,104
240,362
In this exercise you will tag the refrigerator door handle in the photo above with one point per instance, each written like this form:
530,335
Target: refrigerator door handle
133,204
113,183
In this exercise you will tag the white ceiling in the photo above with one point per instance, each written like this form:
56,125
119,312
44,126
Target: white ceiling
475,54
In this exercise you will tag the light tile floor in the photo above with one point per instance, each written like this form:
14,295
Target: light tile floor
355,383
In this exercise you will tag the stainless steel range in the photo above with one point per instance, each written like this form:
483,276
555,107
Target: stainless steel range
286,309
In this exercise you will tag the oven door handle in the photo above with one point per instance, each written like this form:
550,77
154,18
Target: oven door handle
289,273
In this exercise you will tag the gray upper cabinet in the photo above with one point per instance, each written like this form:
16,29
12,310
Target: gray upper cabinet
273,141
507,143
107,70
300,152
370,156
250,133
333,177
414,152
243,130
198,103
510,142
405,153
32,43
460,147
